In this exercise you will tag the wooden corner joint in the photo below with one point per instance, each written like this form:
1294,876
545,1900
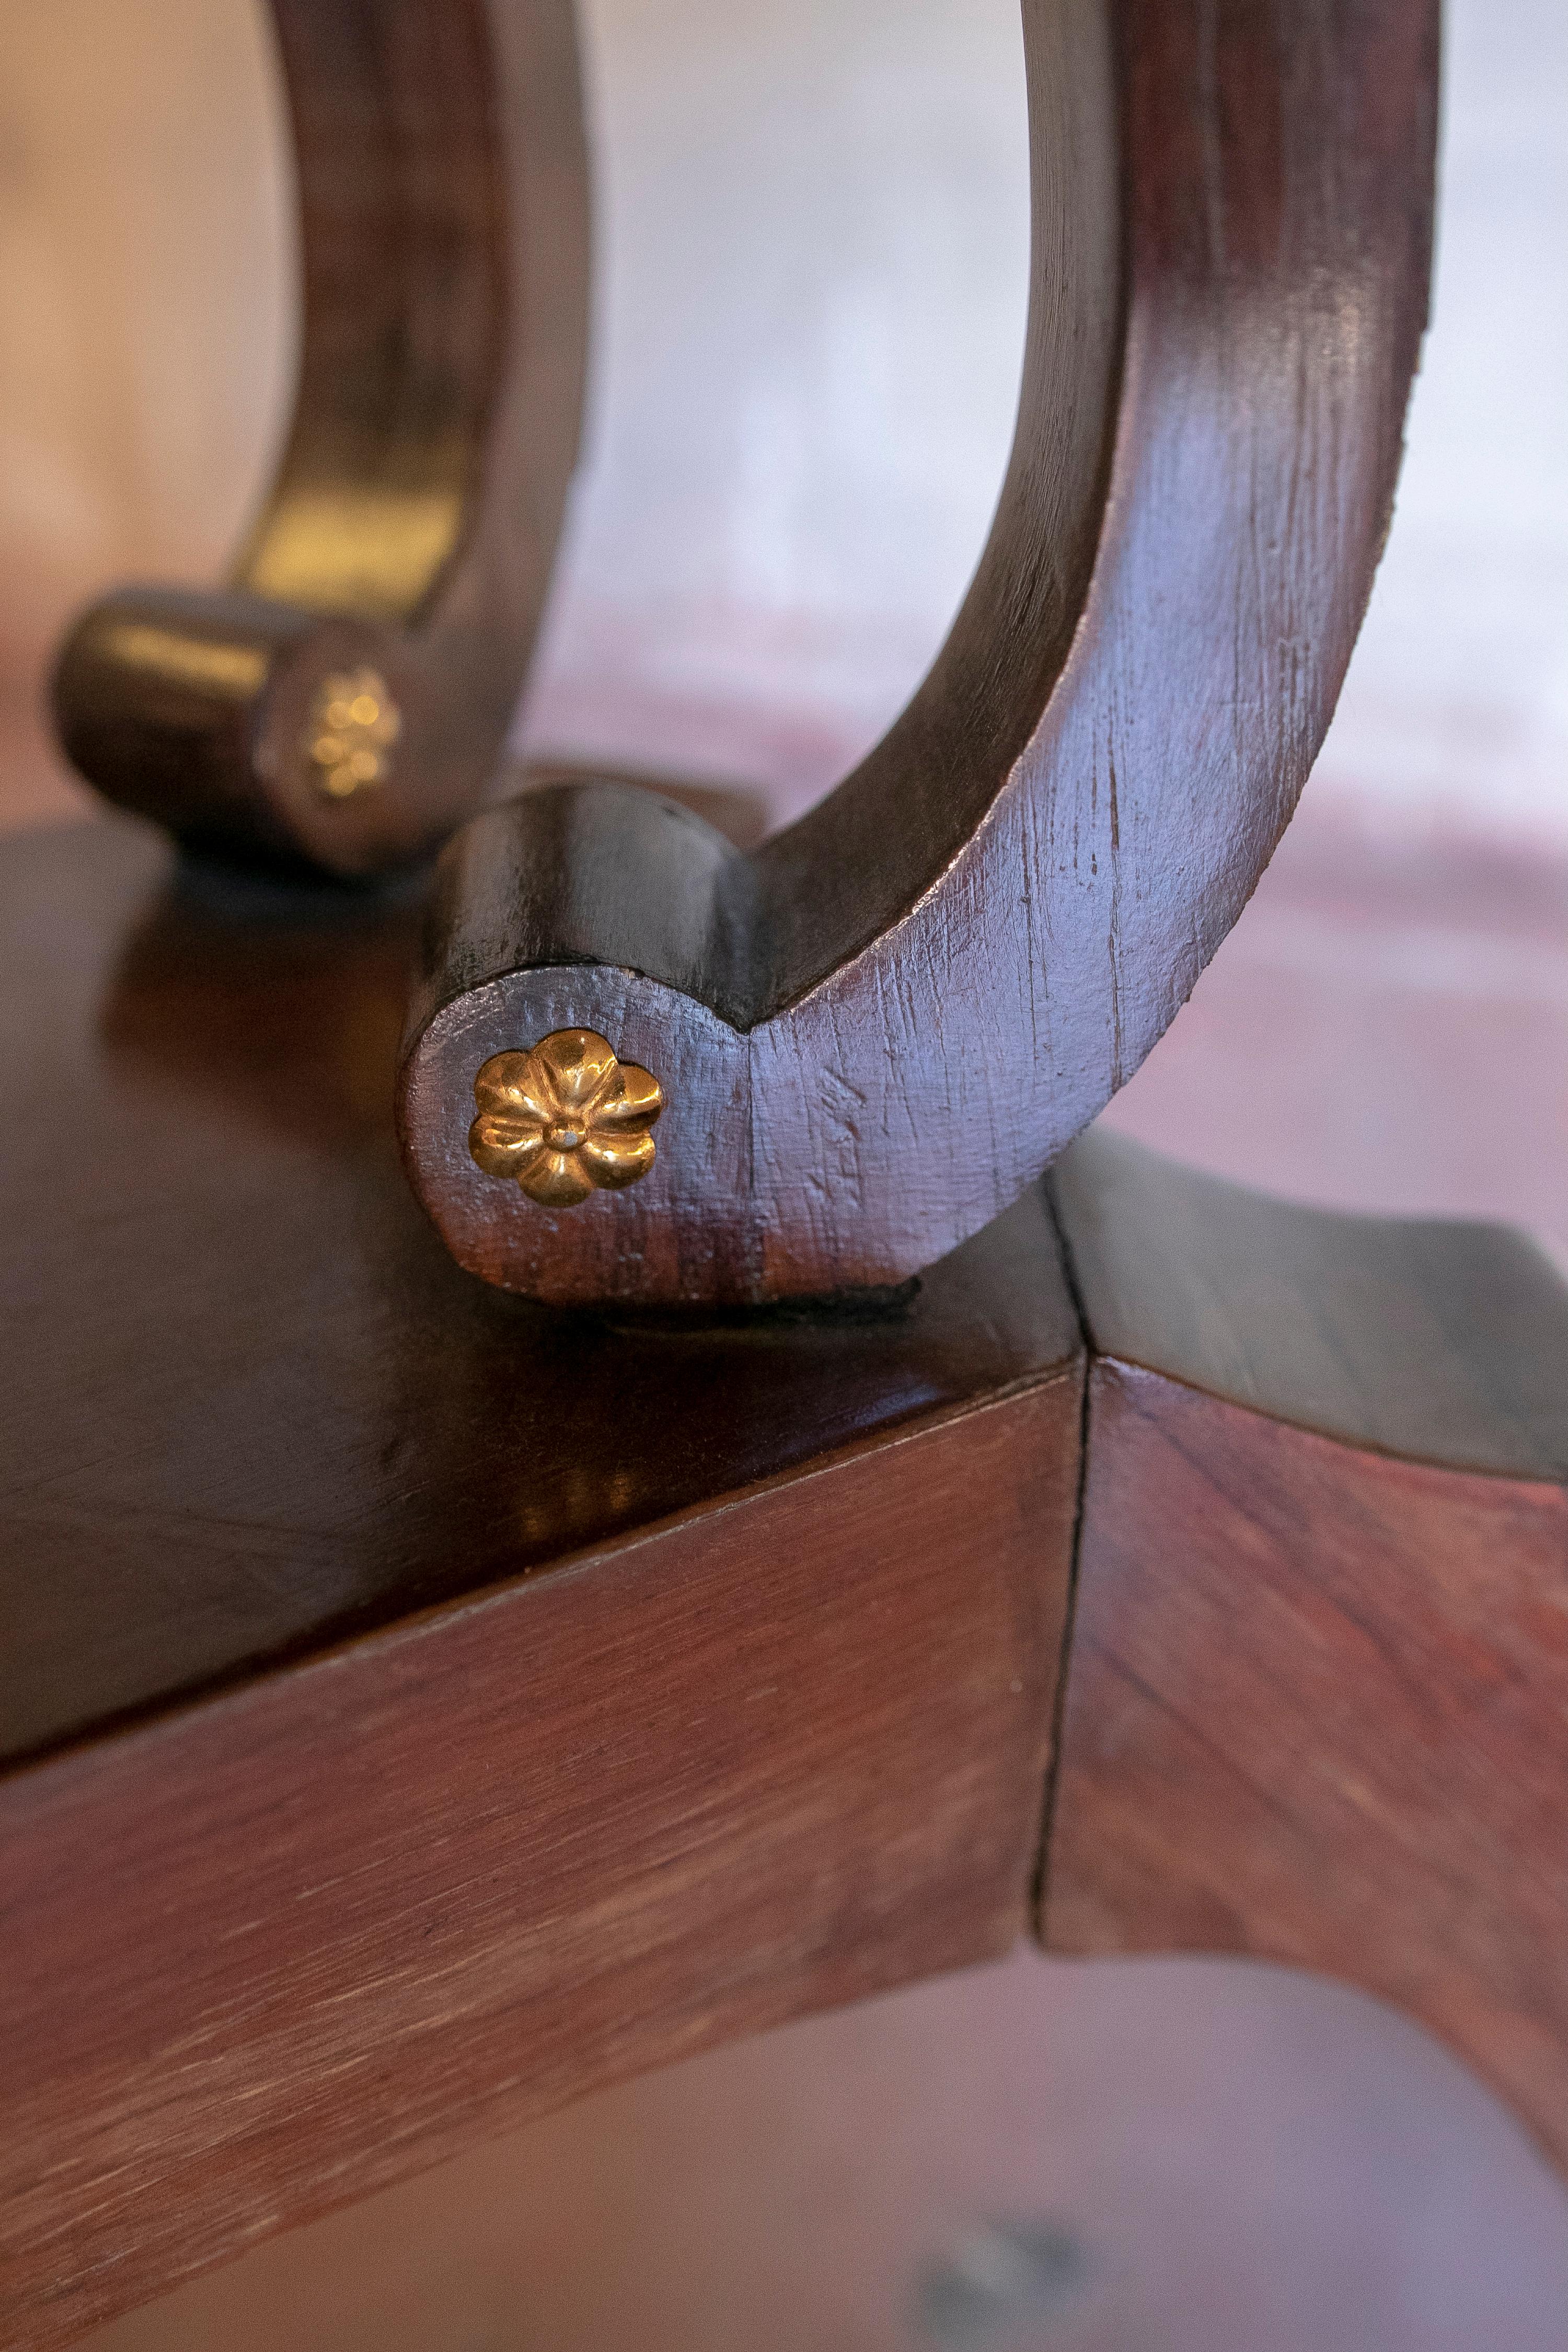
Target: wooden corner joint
1317,1669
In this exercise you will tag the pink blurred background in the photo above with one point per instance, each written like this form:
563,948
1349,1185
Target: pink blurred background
812,232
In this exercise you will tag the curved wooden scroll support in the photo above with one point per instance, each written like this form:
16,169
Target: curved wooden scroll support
344,700
1319,1668
874,1031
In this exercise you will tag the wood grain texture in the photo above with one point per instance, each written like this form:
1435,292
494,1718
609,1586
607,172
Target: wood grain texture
249,1402
1315,1706
412,524
876,1030
295,1942
421,1707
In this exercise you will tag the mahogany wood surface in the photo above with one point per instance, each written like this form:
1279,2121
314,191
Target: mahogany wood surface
715,1662
875,1032
422,1705
1320,1653
412,524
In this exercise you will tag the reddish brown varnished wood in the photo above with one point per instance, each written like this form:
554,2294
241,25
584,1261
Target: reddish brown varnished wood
294,1943
1318,1686
412,524
876,1030
421,1707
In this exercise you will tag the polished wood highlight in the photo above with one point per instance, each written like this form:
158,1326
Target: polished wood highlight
422,1706
1319,1653
409,533
878,1027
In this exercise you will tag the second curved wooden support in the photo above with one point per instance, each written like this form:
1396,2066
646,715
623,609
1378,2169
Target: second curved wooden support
343,701
1318,1687
876,1030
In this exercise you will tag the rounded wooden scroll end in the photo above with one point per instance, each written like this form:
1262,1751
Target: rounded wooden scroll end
572,937
254,732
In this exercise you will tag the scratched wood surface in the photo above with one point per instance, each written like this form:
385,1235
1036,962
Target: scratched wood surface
1320,1652
422,1707
412,522
876,1030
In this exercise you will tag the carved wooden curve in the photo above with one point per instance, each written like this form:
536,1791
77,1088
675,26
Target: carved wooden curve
343,701
875,1031
418,1707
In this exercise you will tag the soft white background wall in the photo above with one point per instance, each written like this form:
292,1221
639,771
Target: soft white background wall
814,251
813,241
1457,706
813,233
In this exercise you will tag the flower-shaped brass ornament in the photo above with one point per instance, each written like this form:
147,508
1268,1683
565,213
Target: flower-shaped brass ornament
566,1120
354,723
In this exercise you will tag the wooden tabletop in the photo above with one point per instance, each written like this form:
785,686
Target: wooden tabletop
249,1403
